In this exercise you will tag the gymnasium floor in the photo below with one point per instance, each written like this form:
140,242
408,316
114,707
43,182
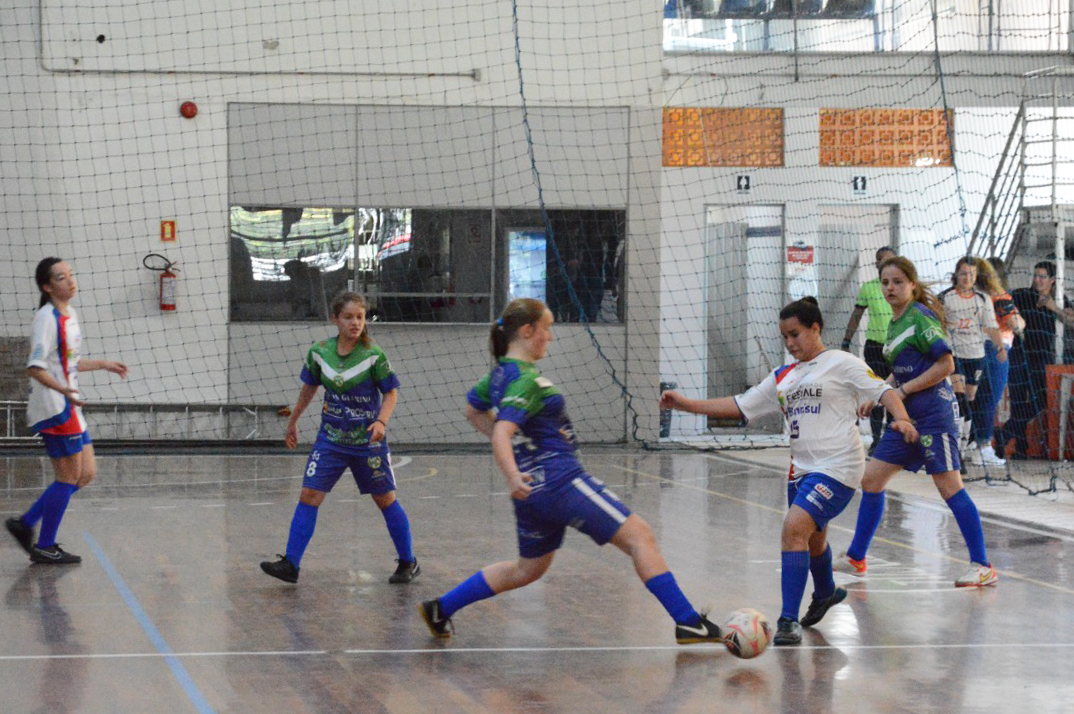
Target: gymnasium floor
169,611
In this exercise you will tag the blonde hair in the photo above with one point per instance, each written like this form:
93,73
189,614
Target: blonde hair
987,279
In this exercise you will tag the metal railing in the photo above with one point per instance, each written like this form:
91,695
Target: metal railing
998,226
161,422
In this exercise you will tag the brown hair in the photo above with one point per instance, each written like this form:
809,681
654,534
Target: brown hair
518,313
921,293
964,260
341,301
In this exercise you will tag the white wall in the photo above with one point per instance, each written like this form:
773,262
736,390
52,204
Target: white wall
101,156
932,231
98,156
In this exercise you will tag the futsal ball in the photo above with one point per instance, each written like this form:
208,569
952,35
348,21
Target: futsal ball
746,633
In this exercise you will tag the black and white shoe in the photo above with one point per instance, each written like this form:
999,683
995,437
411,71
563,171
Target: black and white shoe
439,625
281,569
704,631
21,532
819,608
405,572
53,555
788,632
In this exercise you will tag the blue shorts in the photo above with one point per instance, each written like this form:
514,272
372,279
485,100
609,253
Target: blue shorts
58,446
938,453
372,471
970,368
819,495
579,501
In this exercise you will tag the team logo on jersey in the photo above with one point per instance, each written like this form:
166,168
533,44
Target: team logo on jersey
934,332
38,354
338,381
374,462
926,440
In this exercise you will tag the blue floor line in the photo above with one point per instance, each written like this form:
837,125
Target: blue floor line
178,670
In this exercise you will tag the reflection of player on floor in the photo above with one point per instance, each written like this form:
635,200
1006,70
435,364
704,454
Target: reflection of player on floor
921,362
548,485
55,410
360,395
821,395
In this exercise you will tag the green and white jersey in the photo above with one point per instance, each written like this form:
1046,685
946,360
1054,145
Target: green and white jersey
353,385
916,340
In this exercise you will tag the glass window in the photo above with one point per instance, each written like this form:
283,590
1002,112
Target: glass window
287,263
527,264
424,264
864,26
582,268
418,265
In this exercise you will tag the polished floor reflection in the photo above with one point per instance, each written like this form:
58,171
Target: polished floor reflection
169,611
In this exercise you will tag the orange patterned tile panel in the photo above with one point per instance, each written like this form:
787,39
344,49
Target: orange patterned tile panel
699,136
885,137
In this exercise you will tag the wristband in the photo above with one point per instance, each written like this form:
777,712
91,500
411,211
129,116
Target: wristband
381,422
846,345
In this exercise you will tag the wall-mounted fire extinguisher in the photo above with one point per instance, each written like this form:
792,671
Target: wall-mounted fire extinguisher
168,279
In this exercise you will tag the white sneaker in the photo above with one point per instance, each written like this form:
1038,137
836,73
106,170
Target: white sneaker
845,564
990,458
972,455
978,577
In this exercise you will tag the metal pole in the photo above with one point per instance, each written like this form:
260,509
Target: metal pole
1060,242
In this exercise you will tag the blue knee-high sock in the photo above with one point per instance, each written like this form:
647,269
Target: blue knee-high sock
795,575
870,512
302,525
399,529
820,568
54,503
669,594
969,522
32,516
467,592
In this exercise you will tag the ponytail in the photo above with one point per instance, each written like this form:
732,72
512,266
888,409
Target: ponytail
43,276
518,313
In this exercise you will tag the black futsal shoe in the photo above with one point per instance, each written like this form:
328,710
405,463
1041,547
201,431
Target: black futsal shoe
788,632
705,631
405,572
21,532
281,569
439,625
819,608
53,555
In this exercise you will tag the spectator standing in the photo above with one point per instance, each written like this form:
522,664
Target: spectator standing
1034,352
991,281
969,316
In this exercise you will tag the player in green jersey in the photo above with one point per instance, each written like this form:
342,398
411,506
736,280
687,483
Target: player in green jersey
361,391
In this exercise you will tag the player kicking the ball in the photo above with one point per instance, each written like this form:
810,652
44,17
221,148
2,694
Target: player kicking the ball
549,487
821,395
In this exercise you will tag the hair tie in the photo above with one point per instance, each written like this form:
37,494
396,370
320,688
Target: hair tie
499,322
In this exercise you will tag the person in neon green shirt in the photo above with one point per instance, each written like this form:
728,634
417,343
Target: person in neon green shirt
871,298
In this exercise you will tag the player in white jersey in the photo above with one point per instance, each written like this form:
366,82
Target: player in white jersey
969,316
821,395
55,410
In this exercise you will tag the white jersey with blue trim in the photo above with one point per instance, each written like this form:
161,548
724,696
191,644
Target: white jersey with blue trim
56,347
820,400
